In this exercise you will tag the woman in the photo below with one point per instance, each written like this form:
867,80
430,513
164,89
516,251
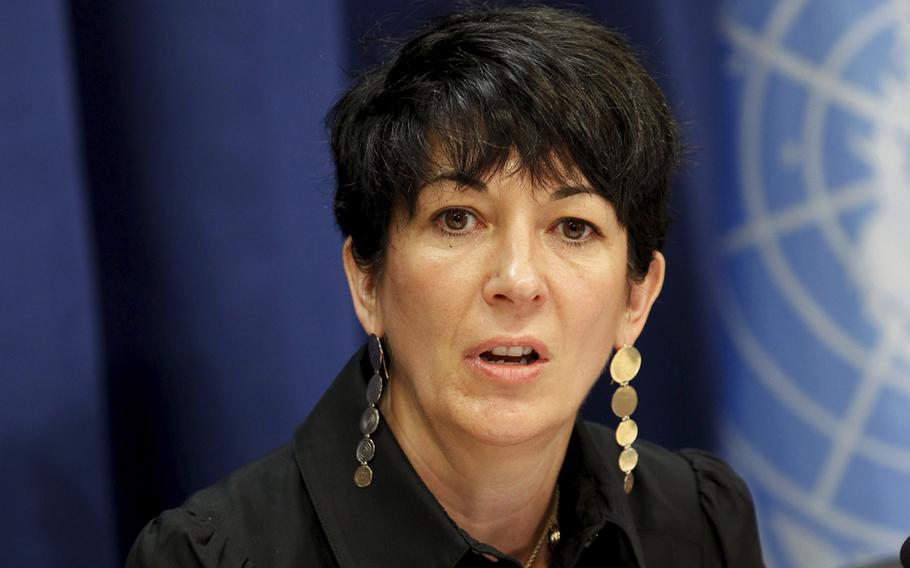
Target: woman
502,187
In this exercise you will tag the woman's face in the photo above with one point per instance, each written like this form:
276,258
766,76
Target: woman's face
483,273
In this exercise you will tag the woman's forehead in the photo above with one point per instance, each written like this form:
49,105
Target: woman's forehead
549,174
555,189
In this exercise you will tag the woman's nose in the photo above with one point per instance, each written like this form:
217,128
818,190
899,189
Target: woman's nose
515,277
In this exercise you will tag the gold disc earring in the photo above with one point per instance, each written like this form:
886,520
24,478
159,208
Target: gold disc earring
623,368
369,420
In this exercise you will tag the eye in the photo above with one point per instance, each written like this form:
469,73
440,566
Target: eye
575,229
456,221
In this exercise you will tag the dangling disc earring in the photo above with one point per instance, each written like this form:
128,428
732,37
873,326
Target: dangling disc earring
369,420
623,368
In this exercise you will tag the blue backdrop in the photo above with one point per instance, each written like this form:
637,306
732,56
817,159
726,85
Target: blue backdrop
172,301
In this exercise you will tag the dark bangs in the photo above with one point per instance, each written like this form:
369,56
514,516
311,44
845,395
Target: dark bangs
553,90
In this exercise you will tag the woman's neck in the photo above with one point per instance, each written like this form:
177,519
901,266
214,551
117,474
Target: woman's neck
500,495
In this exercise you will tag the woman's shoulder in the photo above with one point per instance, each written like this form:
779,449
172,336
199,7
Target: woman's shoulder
691,496
257,512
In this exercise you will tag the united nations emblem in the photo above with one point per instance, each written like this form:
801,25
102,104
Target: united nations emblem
814,272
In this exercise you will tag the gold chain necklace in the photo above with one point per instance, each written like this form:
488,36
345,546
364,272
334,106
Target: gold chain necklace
550,531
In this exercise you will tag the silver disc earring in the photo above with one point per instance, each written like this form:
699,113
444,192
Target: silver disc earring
369,420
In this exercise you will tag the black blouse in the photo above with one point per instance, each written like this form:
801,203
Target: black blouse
298,506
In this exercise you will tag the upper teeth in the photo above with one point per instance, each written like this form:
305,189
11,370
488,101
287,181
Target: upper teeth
514,351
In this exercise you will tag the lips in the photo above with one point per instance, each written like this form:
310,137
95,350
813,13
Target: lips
509,360
514,355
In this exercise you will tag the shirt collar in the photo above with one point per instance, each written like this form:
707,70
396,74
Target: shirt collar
591,467
396,519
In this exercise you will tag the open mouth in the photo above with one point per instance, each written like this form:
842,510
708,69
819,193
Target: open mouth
510,355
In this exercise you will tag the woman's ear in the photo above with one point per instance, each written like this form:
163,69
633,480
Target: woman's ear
642,295
362,284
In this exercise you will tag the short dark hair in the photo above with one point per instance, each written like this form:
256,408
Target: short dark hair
549,87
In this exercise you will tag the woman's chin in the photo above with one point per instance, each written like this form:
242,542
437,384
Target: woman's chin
507,425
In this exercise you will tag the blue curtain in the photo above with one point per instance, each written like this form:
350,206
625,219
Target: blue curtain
172,302
55,480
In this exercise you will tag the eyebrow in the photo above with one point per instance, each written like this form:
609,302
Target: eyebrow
464,181
569,191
